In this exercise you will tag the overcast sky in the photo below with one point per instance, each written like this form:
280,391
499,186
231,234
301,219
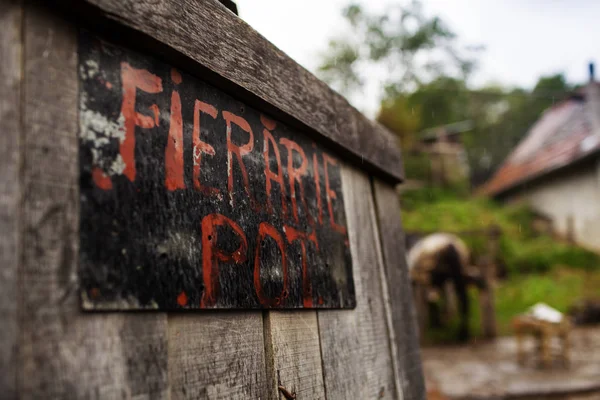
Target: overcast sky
523,39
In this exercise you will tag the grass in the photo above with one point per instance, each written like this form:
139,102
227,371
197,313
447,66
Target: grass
560,288
522,250
540,268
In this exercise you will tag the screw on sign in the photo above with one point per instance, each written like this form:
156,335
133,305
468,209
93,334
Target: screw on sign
191,199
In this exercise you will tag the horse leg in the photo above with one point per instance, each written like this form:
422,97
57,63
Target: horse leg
434,313
453,262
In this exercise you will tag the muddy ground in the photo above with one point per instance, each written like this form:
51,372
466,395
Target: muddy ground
489,370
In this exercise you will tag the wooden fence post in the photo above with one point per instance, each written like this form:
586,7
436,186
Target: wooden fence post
486,296
11,19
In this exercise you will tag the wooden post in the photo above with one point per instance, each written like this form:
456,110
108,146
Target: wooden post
402,308
450,302
11,19
421,307
486,296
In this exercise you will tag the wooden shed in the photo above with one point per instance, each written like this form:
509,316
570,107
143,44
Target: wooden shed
189,214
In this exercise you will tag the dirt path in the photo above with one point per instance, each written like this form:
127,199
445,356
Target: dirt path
488,370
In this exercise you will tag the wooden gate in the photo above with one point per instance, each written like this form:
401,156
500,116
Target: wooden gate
82,200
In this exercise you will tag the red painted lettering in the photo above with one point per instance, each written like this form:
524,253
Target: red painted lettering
269,174
174,152
317,185
133,79
295,175
239,151
330,194
156,113
265,230
201,146
101,180
182,299
212,256
176,76
293,235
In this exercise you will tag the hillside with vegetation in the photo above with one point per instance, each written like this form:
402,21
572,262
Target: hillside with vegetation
536,267
424,73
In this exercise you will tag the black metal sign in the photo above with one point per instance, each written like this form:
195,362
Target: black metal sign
191,199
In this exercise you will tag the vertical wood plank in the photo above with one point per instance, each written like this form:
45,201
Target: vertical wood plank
487,299
217,356
10,101
355,344
401,301
65,353
293,354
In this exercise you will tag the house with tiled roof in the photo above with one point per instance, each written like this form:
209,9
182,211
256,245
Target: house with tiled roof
556,167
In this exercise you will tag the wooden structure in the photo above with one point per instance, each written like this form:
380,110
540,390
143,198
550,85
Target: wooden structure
543,332
51,348
444,147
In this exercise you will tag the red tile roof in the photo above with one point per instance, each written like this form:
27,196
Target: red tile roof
561,136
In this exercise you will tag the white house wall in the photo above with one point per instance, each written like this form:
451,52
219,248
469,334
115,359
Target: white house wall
573,195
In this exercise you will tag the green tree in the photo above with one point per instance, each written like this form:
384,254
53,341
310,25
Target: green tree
441,101
494,138
400,118
500,117
425,83
410,47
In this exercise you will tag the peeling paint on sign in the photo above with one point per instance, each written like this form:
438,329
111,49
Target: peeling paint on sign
191,199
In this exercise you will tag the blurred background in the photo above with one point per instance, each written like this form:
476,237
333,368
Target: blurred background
497,111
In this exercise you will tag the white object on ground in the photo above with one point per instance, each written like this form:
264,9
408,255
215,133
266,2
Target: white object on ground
544,312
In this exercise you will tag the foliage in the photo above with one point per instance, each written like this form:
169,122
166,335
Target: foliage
540,268
500,117
494,138
560,288
419,166
441,101
522,250
425,83
402,119
397,40
541,254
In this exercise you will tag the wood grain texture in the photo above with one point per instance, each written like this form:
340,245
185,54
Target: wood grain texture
10,101
293,354
217,356
221,45
63,352
355,344
404,319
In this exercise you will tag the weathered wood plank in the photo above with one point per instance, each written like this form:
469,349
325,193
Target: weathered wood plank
217,356
404,319
355,345
218,45
63,352
10,100
293,354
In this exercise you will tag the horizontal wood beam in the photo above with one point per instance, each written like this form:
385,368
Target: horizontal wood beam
211,42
